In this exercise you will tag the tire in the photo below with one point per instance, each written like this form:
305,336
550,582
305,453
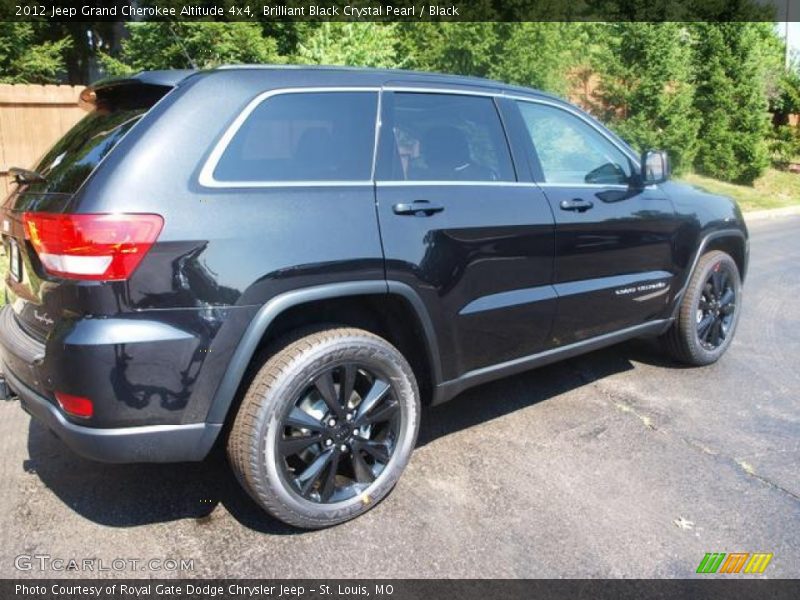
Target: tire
707,316
338,471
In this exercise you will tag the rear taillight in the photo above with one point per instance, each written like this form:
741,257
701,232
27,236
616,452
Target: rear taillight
101,247
77,406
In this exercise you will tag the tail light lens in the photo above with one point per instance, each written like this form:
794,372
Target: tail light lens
102,247
77,406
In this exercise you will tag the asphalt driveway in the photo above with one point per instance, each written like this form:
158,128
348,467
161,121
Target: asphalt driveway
616,464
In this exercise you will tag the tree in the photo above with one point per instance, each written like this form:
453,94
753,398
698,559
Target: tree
162,45
26,58
646,90
731,99
542,55
451,47
350,43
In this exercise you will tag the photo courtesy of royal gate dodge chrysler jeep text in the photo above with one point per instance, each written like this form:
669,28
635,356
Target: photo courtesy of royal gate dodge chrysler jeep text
293,260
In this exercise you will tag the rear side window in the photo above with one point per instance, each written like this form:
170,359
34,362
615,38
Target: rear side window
304,136
446,137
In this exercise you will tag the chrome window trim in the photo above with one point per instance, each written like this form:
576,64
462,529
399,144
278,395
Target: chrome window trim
207,179
424,182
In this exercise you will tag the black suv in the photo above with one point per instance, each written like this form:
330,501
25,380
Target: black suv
293,260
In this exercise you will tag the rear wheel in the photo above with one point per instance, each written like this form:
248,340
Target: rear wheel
709,311
326,427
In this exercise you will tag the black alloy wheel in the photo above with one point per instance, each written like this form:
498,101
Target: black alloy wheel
339,434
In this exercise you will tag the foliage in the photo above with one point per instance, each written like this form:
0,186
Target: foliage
731,99
784,146
541,54
350,43
26,59
163,45
450,47
786,98
698,90
646,91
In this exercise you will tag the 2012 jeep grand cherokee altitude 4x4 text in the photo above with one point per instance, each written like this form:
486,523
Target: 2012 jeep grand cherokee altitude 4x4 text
292,260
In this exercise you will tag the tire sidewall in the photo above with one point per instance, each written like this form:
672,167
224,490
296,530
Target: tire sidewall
382,359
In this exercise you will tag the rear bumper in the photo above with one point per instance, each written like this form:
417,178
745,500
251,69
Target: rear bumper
152,443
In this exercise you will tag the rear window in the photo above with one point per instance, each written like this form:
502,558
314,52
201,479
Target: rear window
70,162
304,136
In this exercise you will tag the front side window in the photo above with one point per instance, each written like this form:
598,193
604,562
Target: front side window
572,151
446,137
304,136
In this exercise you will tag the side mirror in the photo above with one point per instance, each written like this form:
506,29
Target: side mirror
655,167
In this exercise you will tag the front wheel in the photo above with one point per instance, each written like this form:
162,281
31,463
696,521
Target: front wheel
326,427
709,311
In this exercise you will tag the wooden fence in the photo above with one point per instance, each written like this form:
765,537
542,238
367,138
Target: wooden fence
32,119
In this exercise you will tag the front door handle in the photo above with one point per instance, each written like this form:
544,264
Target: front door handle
577,204
418,208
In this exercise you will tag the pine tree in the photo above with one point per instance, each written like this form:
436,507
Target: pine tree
647,90
732,100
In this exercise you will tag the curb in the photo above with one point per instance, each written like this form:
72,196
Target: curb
771,213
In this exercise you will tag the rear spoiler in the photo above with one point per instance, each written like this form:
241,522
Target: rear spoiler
146,87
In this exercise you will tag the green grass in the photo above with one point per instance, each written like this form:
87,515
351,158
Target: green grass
774,189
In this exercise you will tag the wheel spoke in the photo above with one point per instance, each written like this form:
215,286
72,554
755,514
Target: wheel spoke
378,450
311,474
300,419
380,415
727,298
326,389
714,335
329,485
361,469
716,283
348,381
376,393
294,445
704,326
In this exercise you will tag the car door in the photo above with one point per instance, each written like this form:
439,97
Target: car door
614,262
456,225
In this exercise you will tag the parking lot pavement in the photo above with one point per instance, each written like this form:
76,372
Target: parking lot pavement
616,464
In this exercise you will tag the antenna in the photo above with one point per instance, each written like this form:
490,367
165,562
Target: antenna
183,48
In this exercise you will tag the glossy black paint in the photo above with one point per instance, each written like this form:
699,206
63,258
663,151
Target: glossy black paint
498,277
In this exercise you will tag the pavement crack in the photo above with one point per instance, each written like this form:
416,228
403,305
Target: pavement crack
622,402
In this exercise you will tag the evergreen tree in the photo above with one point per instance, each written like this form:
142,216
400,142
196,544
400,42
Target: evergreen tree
647,92
163,45
350,43
26,58
732,100
542,55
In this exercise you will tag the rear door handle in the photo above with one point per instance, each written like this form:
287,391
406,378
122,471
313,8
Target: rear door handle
577,205
418,208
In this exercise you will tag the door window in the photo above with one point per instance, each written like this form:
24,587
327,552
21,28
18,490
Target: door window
314,136
445,137
570,150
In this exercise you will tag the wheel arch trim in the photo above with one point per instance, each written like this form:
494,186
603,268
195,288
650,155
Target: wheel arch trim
704,243
266,315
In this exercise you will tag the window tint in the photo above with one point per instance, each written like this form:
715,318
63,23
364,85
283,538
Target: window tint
446,137
315,136
572,151
70,162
